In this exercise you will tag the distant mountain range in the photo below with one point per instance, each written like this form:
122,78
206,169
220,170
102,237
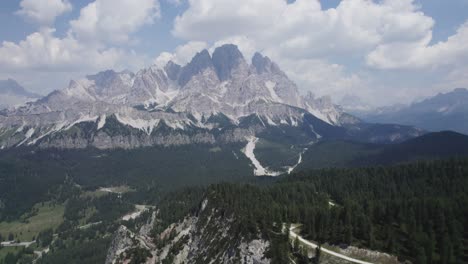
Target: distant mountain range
217,98
12,94
444,111
436,145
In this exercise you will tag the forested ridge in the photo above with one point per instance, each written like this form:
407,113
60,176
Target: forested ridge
416,211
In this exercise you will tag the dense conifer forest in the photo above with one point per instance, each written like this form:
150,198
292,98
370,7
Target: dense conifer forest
416,211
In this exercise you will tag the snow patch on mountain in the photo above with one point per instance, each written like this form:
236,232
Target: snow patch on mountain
101,122
20,129
299,161
443,109
28,135
63,125
271,88
84,118
259,170
317,135
145,125
269,121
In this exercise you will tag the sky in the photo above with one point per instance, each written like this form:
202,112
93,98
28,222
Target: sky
381,52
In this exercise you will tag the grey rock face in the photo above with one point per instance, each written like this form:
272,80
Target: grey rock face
225,59
172,69
200,238
197,65
263,64
171,106
122,240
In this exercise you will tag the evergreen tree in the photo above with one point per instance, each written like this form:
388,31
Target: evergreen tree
317,254
421,256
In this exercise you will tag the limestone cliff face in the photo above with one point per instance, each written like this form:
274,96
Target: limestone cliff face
205,237
213,99
136,139
122,240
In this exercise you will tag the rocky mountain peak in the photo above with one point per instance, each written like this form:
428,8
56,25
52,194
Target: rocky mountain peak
218,98
173,70
460,90
263,64
102,76
109,84
11,86
12,94
200,62
225,59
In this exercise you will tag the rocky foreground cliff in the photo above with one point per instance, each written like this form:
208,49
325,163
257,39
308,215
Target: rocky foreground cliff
204,237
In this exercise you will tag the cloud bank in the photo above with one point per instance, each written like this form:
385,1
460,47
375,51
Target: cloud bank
328,51
381,51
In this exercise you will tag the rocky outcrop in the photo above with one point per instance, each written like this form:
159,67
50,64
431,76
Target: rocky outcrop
122,240
172,69
126,240
197,65
205,237
263,64
225,60
253,252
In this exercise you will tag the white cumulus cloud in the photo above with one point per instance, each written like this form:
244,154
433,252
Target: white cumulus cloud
113,21
303,28
43,51
182,54
328,51
421,54
43,12
98,39
88,44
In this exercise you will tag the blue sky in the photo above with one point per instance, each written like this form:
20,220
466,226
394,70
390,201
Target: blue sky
382,51
155,37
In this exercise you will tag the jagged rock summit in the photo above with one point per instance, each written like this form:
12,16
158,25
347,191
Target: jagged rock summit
219,98
12,94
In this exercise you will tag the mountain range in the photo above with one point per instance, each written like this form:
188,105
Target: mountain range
214,99
12,94
444,111
123,160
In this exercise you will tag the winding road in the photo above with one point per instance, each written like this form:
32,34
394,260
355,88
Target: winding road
293,235
15,244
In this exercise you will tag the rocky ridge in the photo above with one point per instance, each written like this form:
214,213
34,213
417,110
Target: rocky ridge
214,98
205,237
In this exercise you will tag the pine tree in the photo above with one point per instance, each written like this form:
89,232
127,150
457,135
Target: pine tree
317,254
421,256
296,245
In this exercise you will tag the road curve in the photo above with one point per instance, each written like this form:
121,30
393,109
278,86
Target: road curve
293,235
